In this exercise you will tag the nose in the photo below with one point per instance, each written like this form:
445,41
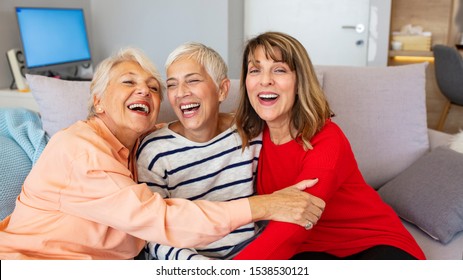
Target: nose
143,90
266,79
183,90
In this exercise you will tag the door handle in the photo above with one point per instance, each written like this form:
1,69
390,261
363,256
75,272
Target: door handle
359,28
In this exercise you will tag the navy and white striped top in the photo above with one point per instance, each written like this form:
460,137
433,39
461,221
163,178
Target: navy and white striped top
217,170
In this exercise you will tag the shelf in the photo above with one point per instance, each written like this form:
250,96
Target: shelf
411,53
14,98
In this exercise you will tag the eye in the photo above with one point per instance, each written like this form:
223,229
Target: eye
171,85
154,88
253,70
280,70
128,82
193,81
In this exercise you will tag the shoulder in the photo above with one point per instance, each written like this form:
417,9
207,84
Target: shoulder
330,140
160,133
77,135
329,132
76,143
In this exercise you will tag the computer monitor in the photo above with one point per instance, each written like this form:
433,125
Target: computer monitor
53,38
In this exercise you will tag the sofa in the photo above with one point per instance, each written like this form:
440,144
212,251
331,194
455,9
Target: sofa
382,110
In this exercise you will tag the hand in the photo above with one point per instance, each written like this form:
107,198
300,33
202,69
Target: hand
290,204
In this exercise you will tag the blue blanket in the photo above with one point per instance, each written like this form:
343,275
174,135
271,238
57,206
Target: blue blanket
22,140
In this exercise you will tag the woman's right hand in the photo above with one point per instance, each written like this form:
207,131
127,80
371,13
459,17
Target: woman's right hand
291,204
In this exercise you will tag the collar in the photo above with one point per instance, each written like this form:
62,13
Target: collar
101,129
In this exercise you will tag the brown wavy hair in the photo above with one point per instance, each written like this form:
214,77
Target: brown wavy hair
310,109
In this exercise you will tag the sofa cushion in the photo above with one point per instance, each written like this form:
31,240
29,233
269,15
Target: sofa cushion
382,111
61,103
429,193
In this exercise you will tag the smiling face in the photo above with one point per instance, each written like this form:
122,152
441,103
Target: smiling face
271,88
194,98
130,104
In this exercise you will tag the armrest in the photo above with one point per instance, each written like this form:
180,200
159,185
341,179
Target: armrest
438,138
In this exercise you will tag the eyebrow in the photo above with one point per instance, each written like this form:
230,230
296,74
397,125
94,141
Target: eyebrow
129,73
274,61
186,76
151,78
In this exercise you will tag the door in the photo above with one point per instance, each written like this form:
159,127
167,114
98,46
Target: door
334,32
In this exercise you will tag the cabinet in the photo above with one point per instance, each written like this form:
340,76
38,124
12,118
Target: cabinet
438,17
14,98
435,16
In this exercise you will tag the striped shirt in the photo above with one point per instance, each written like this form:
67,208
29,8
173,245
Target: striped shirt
217,170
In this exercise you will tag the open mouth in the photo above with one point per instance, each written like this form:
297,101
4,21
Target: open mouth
268,96
139,107
189,109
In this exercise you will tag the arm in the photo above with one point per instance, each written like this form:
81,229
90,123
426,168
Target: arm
132,208
98,188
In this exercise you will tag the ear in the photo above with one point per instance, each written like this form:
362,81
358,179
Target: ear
97,104
224,87
96,100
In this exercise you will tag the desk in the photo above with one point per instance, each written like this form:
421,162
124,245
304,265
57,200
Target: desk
14,98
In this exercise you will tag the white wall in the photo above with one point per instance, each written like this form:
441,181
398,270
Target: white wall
159,26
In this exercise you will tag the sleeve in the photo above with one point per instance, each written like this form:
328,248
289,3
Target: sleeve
100,189
282,240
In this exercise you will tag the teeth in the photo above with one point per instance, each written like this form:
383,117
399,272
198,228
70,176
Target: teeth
139,107
268,96
189,106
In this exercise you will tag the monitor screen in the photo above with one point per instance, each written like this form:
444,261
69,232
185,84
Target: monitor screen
53,37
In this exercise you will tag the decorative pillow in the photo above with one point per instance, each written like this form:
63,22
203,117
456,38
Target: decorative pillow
429,194
382,111
61,103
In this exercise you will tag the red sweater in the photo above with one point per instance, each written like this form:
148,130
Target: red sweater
355,217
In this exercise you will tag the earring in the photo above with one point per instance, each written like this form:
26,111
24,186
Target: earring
99,109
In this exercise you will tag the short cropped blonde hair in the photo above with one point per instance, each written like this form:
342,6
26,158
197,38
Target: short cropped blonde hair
207,57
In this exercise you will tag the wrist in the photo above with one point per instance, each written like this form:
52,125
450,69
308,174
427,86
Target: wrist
259,209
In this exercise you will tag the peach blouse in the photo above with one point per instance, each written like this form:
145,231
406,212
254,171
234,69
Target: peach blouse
81,201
